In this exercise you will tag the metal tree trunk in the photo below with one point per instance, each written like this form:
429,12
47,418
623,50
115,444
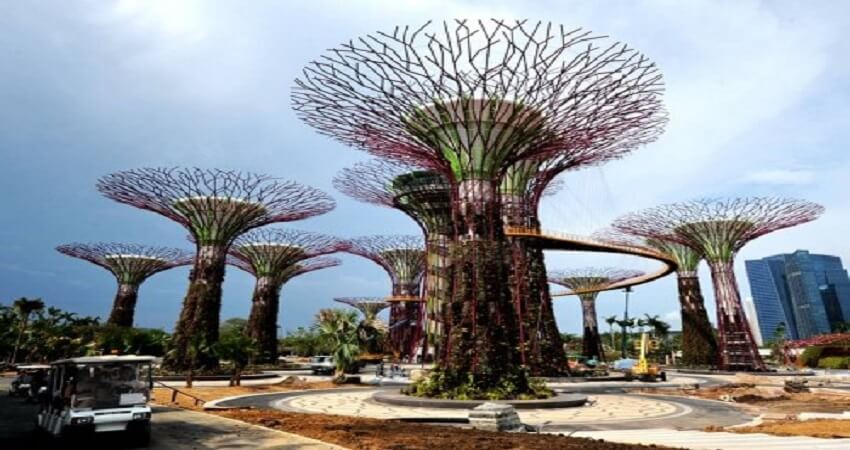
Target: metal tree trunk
437,287
124,306
262,322
197,327
404,320
738,350
699,346
541,348
481,327
591,343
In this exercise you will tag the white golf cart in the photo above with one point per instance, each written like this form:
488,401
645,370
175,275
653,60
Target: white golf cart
30,378
98,394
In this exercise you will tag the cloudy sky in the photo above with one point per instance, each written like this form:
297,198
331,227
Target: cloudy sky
757,94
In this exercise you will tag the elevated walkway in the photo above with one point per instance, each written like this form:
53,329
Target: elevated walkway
553,240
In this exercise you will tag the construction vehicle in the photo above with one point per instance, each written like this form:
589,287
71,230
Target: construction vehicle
644,370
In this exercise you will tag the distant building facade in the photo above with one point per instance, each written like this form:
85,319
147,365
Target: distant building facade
808,293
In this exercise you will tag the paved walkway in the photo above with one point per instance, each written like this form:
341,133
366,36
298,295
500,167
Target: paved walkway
184,430
602,386
601,408
700,440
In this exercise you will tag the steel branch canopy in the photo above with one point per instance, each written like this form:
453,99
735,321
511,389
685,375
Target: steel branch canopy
717,229
438,94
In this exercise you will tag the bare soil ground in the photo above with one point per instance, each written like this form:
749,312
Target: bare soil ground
813,428
162,395
374,434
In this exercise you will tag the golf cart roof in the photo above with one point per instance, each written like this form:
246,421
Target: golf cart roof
109,359
32,367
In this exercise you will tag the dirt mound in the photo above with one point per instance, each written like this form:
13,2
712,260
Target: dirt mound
766,399
755,398
813,428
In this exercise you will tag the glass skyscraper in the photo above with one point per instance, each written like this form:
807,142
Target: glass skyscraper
808,293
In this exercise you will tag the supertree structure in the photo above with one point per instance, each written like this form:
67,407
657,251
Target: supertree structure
403,258
370,307
586,283
699,345
131,264
215,206
371,329
718,229
425,196
469,100
271,255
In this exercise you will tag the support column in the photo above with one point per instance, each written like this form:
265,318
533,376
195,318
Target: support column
738,350
124,306
591,343
262,322
699,345
197,327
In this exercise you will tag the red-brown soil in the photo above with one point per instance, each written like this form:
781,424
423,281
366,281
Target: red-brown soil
374,434
813,428
767,400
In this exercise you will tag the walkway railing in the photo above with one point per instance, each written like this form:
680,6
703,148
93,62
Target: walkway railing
557,240
175,392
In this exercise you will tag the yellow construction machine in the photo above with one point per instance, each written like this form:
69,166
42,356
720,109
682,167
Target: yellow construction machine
644,370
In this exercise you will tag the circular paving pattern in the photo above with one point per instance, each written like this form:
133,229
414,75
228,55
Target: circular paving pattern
600,408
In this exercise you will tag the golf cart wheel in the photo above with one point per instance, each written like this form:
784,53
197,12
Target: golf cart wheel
663,376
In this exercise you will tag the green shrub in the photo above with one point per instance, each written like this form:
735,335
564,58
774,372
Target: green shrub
811,356
834,362
446,385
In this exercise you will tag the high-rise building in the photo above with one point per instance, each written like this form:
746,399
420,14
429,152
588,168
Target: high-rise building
808,293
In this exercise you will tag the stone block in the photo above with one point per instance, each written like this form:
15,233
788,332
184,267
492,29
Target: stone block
495,417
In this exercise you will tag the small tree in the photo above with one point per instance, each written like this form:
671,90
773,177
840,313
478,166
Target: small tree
304,342
238,348
24,307
777,343
338,327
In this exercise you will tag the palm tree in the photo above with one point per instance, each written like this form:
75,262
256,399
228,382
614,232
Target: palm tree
338,327
611,320
24,307
652,322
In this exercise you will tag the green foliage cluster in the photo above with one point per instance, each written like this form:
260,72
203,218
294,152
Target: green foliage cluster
816,355
49,333
834,362
338,328
130,341
810,356
446,384
236,347
304,342
45,333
